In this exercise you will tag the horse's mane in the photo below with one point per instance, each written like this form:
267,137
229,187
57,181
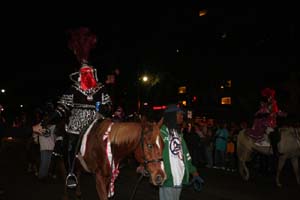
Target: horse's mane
125,132
121,132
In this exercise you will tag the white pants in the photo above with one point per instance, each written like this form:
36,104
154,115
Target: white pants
169,193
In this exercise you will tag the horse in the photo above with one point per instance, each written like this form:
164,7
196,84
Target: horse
108,143
288,148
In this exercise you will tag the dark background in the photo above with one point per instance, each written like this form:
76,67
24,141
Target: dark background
254,44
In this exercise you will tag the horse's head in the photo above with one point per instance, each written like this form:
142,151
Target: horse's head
149,152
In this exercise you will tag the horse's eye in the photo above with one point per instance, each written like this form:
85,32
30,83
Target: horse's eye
150,146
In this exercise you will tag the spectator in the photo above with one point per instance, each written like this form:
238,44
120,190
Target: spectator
177,160
221,144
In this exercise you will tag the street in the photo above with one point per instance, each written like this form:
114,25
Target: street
219,184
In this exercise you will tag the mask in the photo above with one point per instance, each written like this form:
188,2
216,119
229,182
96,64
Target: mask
87,78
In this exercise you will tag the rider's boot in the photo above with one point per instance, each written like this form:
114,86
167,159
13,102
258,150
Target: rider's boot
71,179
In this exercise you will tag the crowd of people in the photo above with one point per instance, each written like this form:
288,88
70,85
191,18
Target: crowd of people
212,145
189,145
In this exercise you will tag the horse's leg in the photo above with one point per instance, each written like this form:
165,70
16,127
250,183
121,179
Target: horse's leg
295,165
101,183
244,171
281,162
63,174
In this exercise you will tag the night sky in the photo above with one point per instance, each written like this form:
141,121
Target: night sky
169,39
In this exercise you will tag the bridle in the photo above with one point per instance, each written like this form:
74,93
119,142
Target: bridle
145,163
149,146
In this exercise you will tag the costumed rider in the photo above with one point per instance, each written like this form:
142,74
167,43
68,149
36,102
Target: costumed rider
269,111
85,102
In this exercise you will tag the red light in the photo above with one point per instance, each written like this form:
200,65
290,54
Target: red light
159,107
194,98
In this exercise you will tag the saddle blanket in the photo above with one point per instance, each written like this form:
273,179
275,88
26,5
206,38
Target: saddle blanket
114,166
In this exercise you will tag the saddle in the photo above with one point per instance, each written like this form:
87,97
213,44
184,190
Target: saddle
264,142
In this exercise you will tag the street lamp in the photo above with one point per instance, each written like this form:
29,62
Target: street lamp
145,78
2,91
146,81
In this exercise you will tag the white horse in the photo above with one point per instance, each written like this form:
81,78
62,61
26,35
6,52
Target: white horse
288,147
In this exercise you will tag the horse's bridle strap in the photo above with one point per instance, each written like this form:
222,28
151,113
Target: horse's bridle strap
151,161
146,162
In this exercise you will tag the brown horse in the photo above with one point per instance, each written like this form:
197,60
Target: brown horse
108,142
288,147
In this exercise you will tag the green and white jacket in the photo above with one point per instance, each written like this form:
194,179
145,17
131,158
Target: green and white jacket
189,168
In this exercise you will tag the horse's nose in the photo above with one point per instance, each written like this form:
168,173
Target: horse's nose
158,180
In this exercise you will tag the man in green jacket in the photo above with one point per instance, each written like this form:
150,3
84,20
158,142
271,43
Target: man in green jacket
177,160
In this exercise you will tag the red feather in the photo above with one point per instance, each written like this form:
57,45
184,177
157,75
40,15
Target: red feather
81,42
268,92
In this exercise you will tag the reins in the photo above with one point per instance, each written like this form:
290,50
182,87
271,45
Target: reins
142,174
145,163
136,185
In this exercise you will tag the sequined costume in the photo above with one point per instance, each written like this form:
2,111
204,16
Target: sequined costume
81,107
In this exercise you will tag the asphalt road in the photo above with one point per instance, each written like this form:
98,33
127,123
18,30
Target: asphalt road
219,184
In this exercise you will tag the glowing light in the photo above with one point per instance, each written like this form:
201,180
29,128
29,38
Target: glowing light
145,78
228,83
226,101
182,90
202,12
194,98
159,107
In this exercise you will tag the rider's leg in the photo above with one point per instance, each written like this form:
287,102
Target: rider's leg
71,180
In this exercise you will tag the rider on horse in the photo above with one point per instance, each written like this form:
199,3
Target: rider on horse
267,115
84,102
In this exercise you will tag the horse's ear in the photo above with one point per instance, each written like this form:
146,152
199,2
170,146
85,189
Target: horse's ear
160,122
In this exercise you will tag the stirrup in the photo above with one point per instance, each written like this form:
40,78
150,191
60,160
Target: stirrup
71,181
